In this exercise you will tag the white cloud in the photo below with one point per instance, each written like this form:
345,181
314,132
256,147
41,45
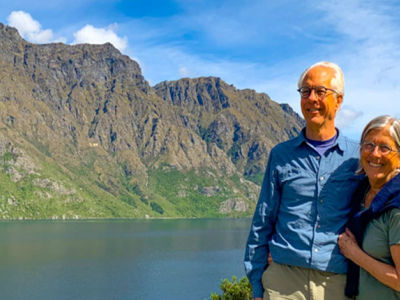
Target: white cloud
23,22
183,71
31,29
347,116
92,35
159,63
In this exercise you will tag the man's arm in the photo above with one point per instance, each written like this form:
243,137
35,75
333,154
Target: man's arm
262,228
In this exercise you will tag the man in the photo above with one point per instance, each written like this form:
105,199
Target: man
305,200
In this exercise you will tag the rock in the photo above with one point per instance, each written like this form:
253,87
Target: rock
210,191
235,204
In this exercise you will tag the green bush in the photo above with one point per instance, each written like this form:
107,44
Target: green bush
234,290
157,208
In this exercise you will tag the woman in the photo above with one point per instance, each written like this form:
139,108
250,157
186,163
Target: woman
377,226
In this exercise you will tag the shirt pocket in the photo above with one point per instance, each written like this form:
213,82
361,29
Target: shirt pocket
296,182
337,195
345,182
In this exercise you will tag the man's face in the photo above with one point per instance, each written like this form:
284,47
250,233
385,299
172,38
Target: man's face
320,112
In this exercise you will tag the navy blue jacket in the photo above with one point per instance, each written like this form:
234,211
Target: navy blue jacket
386,199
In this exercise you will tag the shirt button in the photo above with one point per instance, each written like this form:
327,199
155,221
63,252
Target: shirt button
317,157
315,250
321,178
319,226
321,201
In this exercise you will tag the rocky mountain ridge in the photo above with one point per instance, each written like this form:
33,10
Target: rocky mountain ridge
83,135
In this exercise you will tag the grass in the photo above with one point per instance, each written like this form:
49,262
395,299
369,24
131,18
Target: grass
97,188
184,191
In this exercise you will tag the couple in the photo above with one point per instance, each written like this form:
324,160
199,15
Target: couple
312,185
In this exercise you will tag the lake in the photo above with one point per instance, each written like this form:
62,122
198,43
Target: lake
119,259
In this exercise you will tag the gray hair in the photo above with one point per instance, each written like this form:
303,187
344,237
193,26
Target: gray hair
337,82
380,123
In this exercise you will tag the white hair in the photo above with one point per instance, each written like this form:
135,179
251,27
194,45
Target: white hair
337,81
380,123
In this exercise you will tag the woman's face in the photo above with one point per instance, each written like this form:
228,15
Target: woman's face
380,168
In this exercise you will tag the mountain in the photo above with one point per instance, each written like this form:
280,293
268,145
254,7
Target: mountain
84,135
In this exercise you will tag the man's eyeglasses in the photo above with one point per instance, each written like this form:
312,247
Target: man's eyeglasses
383,149
320,91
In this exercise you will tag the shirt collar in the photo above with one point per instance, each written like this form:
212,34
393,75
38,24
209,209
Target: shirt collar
340,140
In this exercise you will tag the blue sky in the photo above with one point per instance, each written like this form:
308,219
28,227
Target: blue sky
262,45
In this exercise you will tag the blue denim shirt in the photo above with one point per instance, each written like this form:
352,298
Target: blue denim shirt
304,204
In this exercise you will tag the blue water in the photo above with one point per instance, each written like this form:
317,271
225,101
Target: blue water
119,259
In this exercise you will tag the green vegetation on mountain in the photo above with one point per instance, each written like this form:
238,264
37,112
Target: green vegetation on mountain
83,135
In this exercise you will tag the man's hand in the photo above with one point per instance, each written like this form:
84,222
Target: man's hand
269,259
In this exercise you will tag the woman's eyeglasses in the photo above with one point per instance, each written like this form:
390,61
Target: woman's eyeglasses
383,149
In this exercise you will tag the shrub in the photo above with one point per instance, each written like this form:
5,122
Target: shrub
157,208
234,290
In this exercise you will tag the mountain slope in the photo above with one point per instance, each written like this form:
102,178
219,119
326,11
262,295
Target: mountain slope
83,135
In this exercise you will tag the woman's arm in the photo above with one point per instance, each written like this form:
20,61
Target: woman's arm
385,273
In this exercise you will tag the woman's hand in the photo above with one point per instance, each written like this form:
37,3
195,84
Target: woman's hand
348,244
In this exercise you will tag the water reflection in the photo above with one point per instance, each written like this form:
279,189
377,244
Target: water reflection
119,259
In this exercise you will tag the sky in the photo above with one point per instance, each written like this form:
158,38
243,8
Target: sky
259,44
